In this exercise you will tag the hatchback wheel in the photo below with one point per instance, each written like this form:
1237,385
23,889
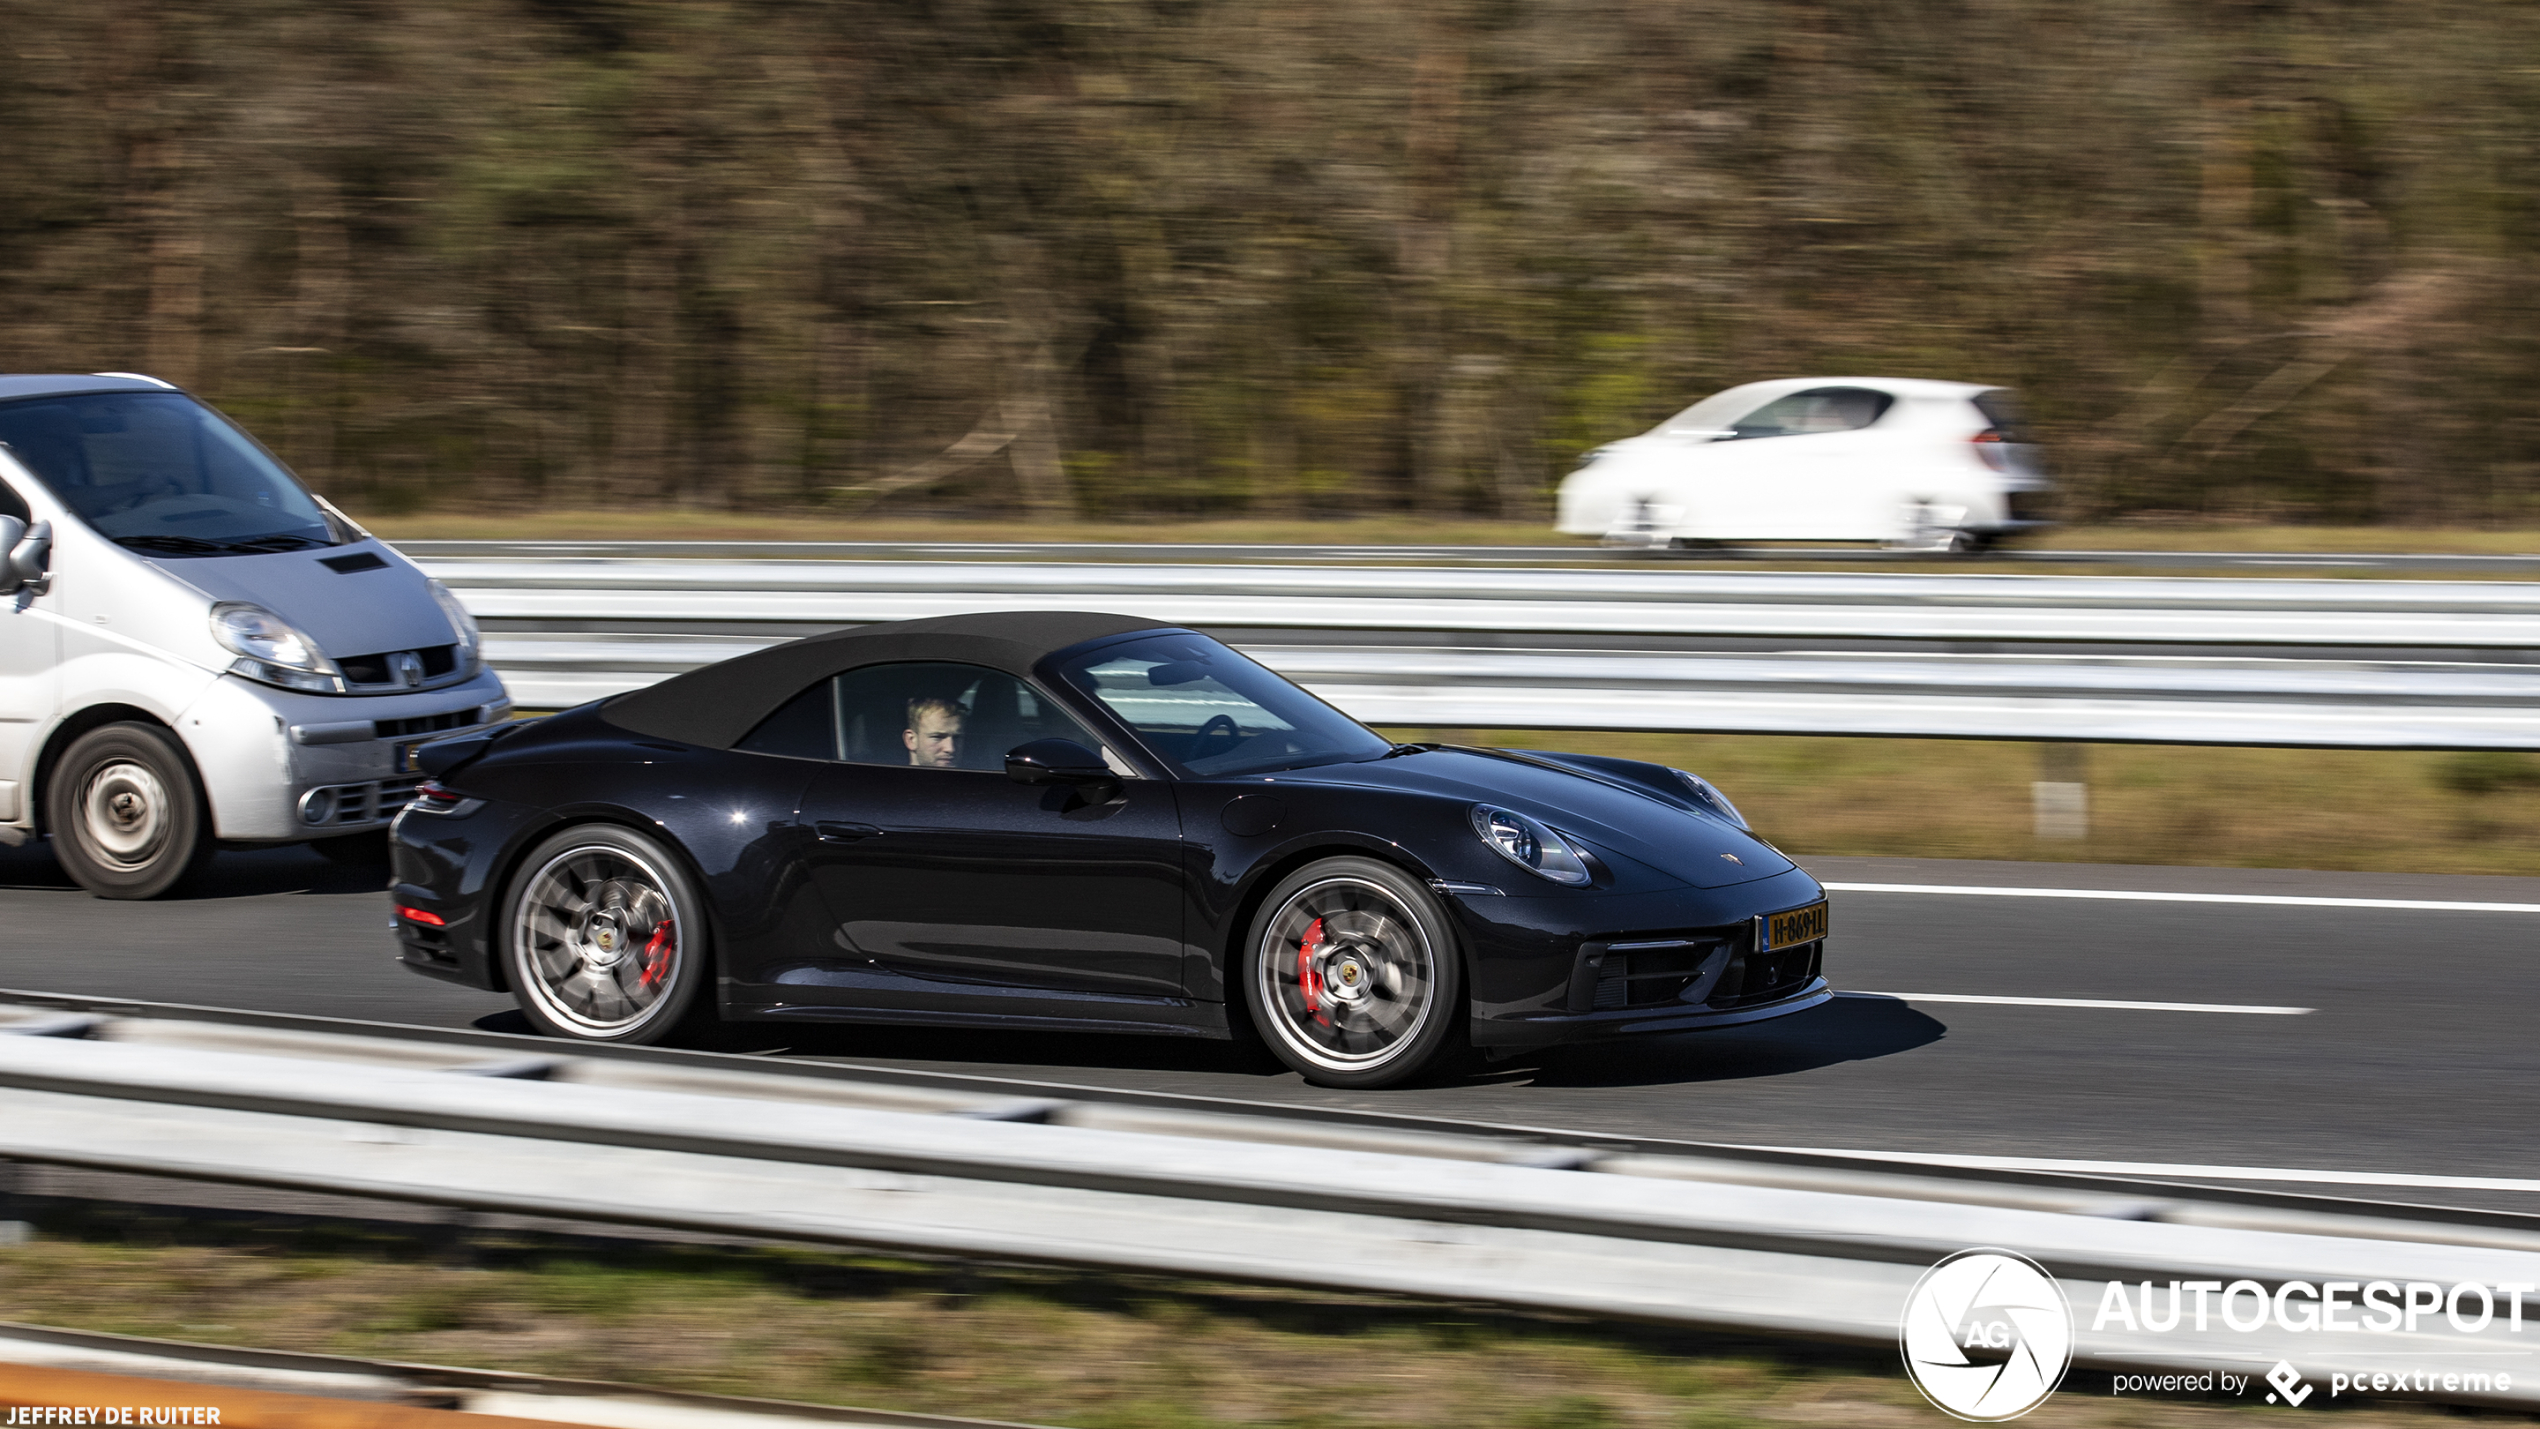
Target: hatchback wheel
126,812
1354,978
603,938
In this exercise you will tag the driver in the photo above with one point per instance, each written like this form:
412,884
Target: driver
933,735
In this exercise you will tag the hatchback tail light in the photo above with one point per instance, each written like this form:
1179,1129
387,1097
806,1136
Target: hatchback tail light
1988,445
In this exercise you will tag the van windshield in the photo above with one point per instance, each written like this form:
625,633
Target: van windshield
162,473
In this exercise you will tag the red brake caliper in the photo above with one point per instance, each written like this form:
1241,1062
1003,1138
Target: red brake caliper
1309,981
657,953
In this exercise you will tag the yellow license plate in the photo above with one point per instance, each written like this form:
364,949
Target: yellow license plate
1799,925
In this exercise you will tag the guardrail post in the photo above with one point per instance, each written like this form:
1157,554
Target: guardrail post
15,1228
2061,793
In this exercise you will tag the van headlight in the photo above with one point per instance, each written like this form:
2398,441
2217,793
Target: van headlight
463,625
1530,845
270,650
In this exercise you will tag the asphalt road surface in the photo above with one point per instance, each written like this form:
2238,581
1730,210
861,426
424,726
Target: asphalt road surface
2417,1055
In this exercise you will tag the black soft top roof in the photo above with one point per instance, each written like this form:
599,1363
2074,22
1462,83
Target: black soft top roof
718,705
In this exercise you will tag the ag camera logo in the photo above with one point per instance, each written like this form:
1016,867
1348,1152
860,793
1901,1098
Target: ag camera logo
1987,1335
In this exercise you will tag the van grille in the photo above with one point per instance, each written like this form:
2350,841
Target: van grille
428,724
357,804
381,669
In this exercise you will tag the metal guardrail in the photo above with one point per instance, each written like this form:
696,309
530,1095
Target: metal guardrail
1803,1245
1570,554
2378,664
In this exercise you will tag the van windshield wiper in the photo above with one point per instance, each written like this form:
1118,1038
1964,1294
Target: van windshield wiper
197,546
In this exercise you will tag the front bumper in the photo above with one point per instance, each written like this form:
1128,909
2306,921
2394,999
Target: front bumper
283,767
1546,1031
1546,970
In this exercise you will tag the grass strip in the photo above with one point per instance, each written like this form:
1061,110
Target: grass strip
1043,1346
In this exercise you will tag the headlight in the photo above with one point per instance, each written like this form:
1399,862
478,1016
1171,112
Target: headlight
270,650
1708,796
462,624
1530,845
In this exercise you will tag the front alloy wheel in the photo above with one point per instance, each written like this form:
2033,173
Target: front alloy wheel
1355,980
603,940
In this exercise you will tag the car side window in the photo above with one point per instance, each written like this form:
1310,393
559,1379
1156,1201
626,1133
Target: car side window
930,714
1819,409
12,504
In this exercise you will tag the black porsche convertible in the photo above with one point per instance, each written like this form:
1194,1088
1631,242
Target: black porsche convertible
1063,820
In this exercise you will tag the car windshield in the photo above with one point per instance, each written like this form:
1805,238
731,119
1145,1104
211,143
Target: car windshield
1715,412
1213,712
162,473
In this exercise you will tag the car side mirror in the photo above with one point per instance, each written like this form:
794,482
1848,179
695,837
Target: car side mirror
26,556
1058,761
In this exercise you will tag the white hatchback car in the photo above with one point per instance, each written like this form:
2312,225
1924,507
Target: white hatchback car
1895,460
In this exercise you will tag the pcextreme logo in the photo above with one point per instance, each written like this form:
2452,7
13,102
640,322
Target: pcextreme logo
1987,1335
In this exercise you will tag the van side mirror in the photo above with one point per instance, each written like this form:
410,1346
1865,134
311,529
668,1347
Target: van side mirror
28,564
1058,761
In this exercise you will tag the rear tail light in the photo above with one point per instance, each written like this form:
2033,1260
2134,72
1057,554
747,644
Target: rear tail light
419,915
1988,445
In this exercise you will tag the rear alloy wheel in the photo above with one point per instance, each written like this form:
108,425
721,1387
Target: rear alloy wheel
602,937
127,813
1354,978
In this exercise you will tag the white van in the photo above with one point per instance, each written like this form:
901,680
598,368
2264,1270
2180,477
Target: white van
195,651
1900,461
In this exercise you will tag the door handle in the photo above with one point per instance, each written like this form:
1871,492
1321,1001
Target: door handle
832,832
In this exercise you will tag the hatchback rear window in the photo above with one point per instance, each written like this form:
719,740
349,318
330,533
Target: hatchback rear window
2001,409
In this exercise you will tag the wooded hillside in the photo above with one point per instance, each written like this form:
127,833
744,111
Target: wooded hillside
1177,257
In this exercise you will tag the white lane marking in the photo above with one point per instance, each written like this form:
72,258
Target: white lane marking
2277,900
2176,1168
2086,1002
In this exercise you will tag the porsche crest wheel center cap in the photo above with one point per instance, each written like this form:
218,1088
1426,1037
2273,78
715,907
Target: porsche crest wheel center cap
1348,979
607,942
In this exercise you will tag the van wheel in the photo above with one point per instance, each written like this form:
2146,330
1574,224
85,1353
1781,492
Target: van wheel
126,812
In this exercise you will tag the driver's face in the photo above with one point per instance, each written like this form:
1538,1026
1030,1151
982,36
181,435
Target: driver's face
936,741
